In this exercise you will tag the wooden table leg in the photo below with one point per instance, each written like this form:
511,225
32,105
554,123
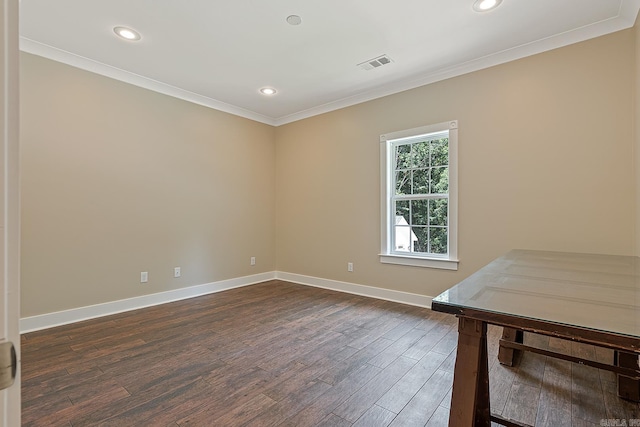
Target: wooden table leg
507,355
628,388
470,398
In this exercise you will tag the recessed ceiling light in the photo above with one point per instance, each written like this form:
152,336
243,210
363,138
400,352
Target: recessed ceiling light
127,33
268,91
294,20
485,5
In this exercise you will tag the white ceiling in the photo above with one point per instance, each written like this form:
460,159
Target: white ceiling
220,53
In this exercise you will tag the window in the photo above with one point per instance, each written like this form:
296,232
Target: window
419,196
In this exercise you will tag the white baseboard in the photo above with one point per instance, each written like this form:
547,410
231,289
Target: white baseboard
49,320
353,288
59,318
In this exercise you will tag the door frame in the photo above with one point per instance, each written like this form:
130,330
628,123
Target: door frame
10,202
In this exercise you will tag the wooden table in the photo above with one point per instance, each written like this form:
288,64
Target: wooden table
593,299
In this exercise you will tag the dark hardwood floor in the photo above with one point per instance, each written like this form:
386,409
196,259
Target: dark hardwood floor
280,354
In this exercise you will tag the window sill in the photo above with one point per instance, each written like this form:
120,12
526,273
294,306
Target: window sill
441,263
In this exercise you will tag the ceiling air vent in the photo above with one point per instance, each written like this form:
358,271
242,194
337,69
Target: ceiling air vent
375,62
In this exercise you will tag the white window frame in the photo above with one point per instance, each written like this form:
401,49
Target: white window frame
448,261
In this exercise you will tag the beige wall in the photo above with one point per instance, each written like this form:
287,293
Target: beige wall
117,180
544,151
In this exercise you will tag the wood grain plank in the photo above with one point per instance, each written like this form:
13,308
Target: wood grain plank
426,401
398,347
403,391
278,353
245,413
439,418
356,405
293,403
375,417
522,404
586,392
344,368
333,420
328,401
555,399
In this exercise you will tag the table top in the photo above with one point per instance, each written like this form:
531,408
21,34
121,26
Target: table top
595,292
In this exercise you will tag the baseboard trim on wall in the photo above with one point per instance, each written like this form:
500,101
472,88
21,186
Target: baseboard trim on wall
353,288
59,318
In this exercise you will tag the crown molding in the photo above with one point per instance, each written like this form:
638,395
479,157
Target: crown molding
625,19
55,54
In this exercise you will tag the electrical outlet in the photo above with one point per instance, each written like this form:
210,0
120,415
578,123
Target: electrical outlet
350,267
176,272
253,260
144,277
